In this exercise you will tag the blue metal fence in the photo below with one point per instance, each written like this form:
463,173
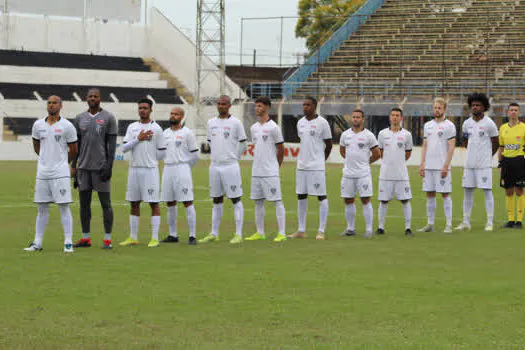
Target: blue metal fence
321,55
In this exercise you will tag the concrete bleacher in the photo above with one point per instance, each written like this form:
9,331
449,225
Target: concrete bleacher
424,47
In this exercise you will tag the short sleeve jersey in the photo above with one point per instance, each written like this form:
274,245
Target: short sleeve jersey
394,146
144,154
92,131
312,133
437,136
358,150
512,139
54,139
224,135
265,138
479,148
180,144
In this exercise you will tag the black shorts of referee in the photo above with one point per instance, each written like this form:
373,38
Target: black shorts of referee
513,172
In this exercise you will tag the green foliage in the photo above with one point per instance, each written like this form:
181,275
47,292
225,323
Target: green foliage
319,19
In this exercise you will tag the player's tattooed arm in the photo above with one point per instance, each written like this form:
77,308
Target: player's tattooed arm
72,151
342,151
376,154
36,146
280,153
495,144
327,148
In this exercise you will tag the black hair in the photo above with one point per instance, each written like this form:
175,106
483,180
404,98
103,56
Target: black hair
359,111
479,97
313,99
145,100
513,104
264,100
397,109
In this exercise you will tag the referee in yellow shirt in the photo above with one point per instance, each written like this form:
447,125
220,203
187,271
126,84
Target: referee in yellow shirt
512,164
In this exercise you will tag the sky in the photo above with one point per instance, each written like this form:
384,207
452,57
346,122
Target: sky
261,35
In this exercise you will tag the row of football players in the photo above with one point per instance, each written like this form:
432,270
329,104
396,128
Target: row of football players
93,135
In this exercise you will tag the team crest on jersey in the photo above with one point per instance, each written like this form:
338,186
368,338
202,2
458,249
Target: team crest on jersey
62,192
312,132
265,137
481,133
185,190
150,191
400,144
58,138
440,133
361,145
226,134
273,190
233,187
178,143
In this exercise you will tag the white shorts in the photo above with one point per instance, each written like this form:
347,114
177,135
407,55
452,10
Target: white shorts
388,189
477,178
177,183
350,187
268,188
311,182
53,191
225,180
433,182
143,185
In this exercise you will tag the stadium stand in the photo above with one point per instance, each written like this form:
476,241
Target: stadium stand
424,48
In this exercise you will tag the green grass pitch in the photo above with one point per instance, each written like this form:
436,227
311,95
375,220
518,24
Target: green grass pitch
434,291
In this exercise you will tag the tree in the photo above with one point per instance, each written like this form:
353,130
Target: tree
319,19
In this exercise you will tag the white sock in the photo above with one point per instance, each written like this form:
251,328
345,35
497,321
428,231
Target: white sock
407,213
238,213
447,207
431,210
172,220
155,225
216,216
489,206
368,213
134,222
350,212
280,212
259,216
67,222
323,214
41,223
381,214
302,210
191,216
468,202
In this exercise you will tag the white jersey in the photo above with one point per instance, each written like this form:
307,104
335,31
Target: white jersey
312,133
144,154
479,148
265,137
358,146
180,144
437,136
54,139
224,135
394,146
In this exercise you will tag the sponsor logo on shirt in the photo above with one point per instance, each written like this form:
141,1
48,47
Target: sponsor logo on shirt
100,121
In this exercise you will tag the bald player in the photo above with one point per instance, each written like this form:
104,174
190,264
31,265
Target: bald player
92,167
177,183
55,143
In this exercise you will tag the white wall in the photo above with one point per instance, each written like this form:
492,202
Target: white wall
91,77
161,40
